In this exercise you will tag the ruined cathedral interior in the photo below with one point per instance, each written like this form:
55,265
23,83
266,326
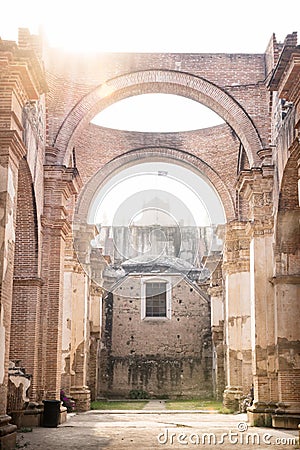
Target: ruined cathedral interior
165,263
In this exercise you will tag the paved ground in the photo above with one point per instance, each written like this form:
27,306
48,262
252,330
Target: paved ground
154,429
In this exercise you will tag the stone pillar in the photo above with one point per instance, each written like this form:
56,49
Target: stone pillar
286,283
59,184
77,295
21,80
11,151
217,327
287,335
256,187
237,314
76,318
95,335
262,312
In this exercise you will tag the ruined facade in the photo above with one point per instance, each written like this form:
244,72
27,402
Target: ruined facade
166,356
53,160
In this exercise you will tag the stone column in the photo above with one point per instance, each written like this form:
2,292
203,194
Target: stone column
287,336
262,336
21,80
256,186
237,314
80,337
77,296
60,183
217,327
286,283
95,334
11,151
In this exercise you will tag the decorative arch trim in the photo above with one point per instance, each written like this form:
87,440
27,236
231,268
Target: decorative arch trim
155,154
172,82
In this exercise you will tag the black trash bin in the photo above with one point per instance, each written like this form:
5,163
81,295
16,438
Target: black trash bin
51,413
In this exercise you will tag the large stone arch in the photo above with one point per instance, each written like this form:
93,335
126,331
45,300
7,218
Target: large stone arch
163,81
154,154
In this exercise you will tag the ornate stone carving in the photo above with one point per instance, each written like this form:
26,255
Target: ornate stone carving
34,114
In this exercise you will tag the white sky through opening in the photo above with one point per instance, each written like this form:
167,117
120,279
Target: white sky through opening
198,197
157,113
142,182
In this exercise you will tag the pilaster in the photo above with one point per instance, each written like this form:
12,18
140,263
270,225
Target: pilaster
11,151
59,184
217,327
237,314
286,284
256,189
285,81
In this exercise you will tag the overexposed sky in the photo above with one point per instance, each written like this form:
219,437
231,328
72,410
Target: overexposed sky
212,26
151,178
189,26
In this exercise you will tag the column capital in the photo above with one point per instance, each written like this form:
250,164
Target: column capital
63,177
255,190
260,227
237,248
11,146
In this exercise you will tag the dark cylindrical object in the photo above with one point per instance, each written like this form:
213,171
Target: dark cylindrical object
51,413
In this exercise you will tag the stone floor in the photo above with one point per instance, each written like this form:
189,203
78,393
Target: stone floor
156,428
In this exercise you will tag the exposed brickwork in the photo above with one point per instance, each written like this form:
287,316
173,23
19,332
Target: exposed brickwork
158,357
157,154
194,88
252,161
27,284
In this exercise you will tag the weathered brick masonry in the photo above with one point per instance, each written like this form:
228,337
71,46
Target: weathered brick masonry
52,160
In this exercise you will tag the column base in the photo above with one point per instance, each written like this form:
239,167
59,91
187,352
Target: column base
8,435
232,398
287,415
82,397
27,417
63,415
260,414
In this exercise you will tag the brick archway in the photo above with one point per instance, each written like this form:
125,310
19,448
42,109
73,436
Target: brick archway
154,154
163,81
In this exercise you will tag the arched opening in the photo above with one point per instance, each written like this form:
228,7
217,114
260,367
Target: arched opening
150,233
149,209
157,81
157,113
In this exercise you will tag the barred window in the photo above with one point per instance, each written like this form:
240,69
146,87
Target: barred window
156,299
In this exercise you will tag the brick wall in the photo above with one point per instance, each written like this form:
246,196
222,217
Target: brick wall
27,284
168,357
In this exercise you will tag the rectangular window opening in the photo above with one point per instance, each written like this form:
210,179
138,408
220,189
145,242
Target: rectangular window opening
156,299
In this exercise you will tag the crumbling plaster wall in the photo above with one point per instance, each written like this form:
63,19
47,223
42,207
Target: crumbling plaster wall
164,357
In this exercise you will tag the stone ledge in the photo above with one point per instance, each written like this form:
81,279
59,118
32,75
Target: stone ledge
27,417
8,433
288,421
